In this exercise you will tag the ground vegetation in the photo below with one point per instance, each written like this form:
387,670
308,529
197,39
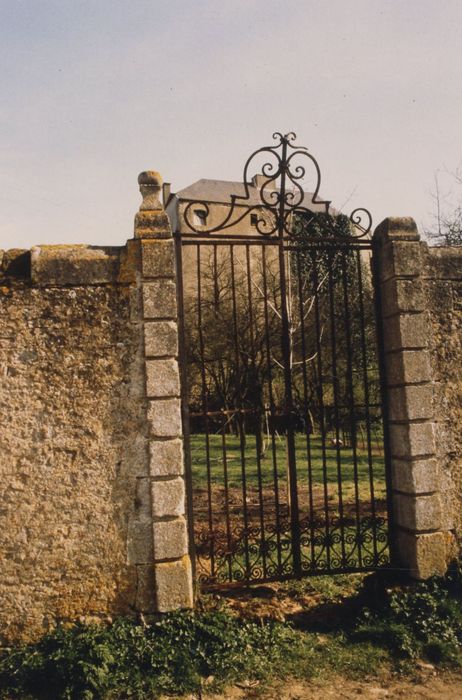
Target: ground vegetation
353,626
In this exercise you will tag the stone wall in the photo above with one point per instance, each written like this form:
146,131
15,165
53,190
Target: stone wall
419,288
92,514
73,437
442,281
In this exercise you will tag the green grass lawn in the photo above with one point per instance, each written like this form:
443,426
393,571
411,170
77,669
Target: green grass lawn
324,464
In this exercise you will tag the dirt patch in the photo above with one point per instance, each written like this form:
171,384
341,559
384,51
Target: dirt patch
277,602
427,684
265,505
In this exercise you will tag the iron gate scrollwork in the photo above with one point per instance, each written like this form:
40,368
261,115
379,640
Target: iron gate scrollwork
282,401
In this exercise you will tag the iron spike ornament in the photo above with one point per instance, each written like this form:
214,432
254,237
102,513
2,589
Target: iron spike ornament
281,198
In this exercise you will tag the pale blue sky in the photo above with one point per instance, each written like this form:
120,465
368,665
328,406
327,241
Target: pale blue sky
94,91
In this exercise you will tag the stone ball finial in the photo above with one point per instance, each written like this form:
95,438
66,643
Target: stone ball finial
150,177
150,183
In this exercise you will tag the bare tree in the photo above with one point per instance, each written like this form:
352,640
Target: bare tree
447,197
234,332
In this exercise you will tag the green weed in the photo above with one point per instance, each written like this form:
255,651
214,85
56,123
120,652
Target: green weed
173,655
360,627
424,619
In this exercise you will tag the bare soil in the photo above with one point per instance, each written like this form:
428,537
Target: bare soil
227,513
255,507
274,602
427,684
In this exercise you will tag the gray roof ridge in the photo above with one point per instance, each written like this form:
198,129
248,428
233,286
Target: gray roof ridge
227,182
212,179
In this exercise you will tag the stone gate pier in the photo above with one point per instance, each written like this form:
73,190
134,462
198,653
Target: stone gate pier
420,291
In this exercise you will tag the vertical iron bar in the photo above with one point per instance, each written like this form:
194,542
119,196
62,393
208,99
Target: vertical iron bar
305,405
351,401
205,412
336,382
367,403
229,555
216,290
287,360
257,412
321,407
271,407
240,414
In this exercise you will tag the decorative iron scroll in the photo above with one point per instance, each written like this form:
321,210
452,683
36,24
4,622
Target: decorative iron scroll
281,195
251,555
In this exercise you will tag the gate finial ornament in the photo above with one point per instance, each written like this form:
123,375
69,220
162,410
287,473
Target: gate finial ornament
150,183
281,197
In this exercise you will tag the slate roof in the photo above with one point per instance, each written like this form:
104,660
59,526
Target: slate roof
219,191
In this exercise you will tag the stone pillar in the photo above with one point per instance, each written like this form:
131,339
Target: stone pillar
172,565
417,533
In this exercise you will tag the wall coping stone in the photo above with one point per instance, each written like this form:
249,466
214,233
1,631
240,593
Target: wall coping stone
402,228
74,265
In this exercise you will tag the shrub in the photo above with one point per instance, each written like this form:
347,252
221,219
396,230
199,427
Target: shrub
425,619
173,655
185,651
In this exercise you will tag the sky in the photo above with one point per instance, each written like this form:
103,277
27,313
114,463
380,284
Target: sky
94,91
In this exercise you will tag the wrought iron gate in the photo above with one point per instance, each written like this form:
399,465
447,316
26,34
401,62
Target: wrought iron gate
282,401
